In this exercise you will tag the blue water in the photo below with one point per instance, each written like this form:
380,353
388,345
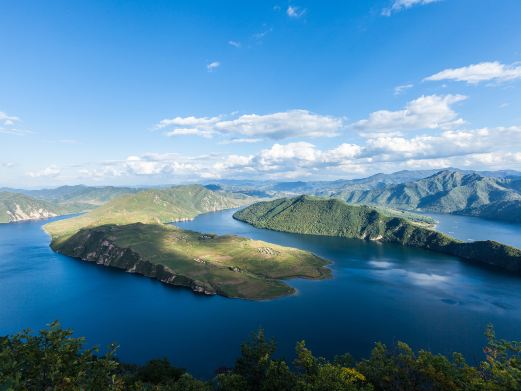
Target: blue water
378,293
471,228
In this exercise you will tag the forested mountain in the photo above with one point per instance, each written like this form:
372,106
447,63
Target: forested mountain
333,217
446,192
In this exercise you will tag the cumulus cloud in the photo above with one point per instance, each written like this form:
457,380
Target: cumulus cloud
213,66
399,5
475,148
477,73
425,112
295,12
292,123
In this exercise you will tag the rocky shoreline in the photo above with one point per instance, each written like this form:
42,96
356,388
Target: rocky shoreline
100,250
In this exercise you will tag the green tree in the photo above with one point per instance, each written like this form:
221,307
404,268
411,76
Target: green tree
255,360
54,360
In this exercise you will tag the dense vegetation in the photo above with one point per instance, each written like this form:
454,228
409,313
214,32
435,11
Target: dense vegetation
226,265
333,217
447,192
55,360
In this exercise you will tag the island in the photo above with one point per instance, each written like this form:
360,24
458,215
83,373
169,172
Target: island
130,233
334,217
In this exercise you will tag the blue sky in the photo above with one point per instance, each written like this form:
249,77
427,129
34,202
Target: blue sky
139,92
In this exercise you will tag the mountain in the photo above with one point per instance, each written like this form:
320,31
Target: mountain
333,217
444,192
270,189
79,197
20,204
19,207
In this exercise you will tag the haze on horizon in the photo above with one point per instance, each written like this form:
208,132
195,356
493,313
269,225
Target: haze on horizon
141,93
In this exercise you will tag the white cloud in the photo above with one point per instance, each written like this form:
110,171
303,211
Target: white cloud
8,120
292,123
189,132
9,125
484,148
235,44
399,5
244,140
295,12
425,112
213,66
476,73
49,172
400,89
7,164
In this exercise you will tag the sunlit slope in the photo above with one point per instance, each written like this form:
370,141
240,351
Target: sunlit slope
19,207
226,265
332,217
151,206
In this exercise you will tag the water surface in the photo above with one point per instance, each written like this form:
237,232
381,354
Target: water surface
378,293
474,228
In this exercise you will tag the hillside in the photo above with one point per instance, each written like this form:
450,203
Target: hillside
444,192
150,206
509,211
19,207
332,217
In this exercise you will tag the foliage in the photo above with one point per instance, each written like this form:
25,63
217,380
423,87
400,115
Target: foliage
333,217
55,360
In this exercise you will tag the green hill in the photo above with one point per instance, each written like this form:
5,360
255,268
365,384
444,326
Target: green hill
150,206
19,207
333,217
445,192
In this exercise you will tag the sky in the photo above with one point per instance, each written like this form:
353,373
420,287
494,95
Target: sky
143,93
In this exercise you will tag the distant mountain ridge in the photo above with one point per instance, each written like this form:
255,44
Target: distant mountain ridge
448,192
